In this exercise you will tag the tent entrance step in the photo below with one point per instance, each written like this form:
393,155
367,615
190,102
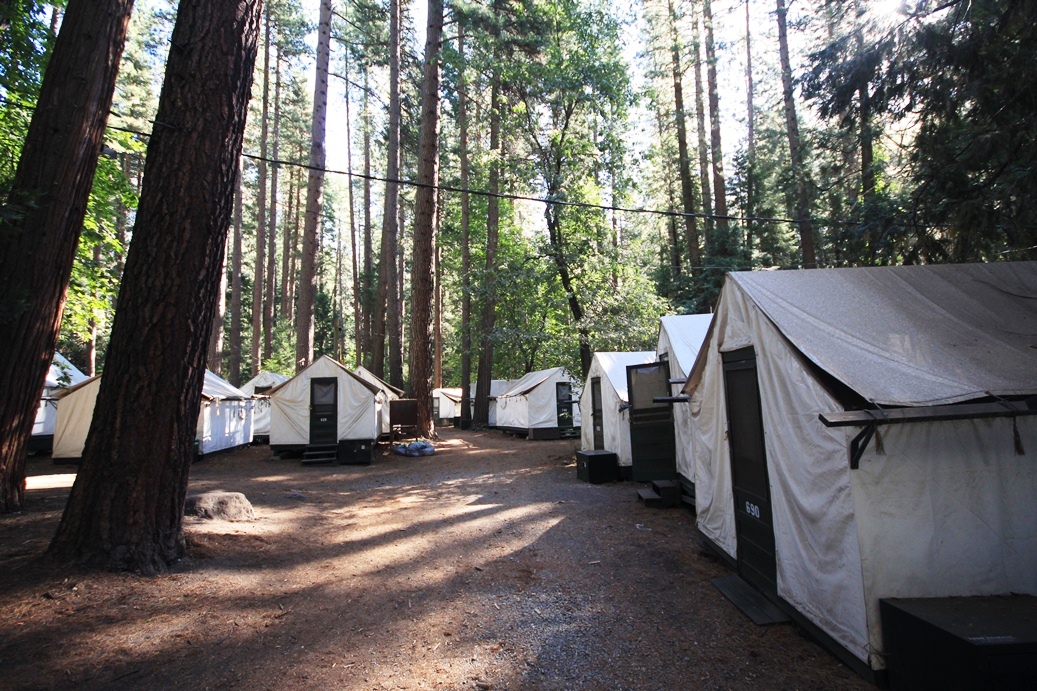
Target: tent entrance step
320,454
663,494
750,600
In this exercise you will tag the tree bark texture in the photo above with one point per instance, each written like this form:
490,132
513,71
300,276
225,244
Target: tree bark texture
369,275
806,231
719,185
466,255
380,318
683,157
260,269
358,307
234,360
43,216
314,196
214,354
703,147
425,207
270,291
126,507
487,321
750,146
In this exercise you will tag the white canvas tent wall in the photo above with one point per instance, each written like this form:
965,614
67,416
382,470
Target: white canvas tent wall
611,370
358,405
61,375
940,508
388,392
449,402
497,387
680,338
261,401
224,417
75,410
531,402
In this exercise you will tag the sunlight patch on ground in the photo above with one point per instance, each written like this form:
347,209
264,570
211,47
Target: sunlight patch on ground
61,481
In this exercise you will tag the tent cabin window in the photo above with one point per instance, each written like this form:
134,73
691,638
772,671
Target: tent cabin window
754,525
260,390
324,410
596,412
652,449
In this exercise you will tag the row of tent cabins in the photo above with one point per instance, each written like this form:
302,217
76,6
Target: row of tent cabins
539,405
857,443
225,418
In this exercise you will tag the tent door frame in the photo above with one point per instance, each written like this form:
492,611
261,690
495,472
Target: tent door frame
597,417
564,400
653,449
323,416
750,481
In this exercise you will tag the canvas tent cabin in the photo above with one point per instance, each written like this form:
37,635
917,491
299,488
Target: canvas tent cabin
497,387
257,388
540,405
388,393
680,338
604,403
327,414
61,375
446,405
926,492
224,418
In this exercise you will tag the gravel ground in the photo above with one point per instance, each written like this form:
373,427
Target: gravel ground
487,566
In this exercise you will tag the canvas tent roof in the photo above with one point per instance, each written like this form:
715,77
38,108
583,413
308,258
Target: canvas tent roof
267,379
614,365
454,394
907,335
62,371
683,335
216,388
530,381
373,378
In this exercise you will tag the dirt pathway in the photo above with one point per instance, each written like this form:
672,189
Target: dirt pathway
486,566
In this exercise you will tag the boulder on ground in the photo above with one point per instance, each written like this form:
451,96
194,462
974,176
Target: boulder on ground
227,506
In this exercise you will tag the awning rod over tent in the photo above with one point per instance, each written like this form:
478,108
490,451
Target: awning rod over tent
671,399
870,419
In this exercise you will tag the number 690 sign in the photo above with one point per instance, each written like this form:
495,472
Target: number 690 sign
752,509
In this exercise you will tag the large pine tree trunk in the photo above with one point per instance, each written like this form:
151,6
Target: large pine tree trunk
683,158
487,321
358,308
270,291
806,231
260,269
385,308
43,216
724,245
466,255
422,272
304,323
368,277
126,507
234,360
700,122
214,355
750,145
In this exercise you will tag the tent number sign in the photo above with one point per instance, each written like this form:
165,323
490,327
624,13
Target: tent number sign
752,509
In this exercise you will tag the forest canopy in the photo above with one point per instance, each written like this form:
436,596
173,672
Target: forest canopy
618,158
